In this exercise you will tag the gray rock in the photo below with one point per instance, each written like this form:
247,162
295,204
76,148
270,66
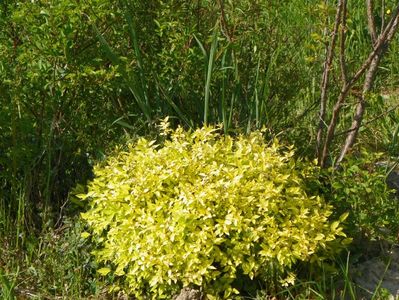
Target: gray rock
393,176
393,181
189,294
380,272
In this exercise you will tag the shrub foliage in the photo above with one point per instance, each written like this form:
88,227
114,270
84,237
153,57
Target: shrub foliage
360,188
200,209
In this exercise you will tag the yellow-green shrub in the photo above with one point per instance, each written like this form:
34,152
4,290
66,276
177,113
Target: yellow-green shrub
200,209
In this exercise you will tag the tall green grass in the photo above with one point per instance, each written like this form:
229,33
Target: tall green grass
7,286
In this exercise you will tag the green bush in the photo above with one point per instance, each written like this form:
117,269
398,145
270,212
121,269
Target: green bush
359,187
201,209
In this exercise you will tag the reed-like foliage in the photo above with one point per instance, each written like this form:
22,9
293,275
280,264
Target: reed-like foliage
7,286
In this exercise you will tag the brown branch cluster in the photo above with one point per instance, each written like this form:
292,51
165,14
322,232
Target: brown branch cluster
380,43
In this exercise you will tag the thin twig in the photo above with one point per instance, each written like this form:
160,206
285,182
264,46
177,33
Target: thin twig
384,37
382,14
325,78
372,60
371,21
370,121
367,86
342,59
223,20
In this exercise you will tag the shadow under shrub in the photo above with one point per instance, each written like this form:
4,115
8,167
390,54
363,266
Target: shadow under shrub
201,208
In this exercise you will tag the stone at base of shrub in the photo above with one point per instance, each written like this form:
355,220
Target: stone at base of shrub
189,294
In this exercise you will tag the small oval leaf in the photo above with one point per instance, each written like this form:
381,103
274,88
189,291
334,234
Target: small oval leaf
104,271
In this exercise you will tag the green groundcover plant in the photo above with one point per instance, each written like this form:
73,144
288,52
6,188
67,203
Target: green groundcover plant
199,208
360,187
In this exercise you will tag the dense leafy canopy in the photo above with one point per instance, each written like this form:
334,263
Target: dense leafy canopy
201,208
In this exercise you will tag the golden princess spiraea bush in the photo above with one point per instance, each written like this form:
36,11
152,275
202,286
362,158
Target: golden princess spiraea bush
200,208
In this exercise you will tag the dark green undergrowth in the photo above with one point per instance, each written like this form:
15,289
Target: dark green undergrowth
55,264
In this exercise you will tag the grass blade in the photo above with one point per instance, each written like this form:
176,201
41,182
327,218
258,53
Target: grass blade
137,52
7,287
131,80
179,112
223,96
209,72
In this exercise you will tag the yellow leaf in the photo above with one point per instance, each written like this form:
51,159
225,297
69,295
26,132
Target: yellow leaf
334,225
104,271
344,216
347,241
85,235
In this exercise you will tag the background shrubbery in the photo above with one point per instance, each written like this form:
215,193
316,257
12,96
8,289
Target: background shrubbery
359,187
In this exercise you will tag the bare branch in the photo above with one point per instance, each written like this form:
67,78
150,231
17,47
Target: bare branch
333,124
382,14
385,37
371,21
325,78
342,59
225,27
367,86
381,115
